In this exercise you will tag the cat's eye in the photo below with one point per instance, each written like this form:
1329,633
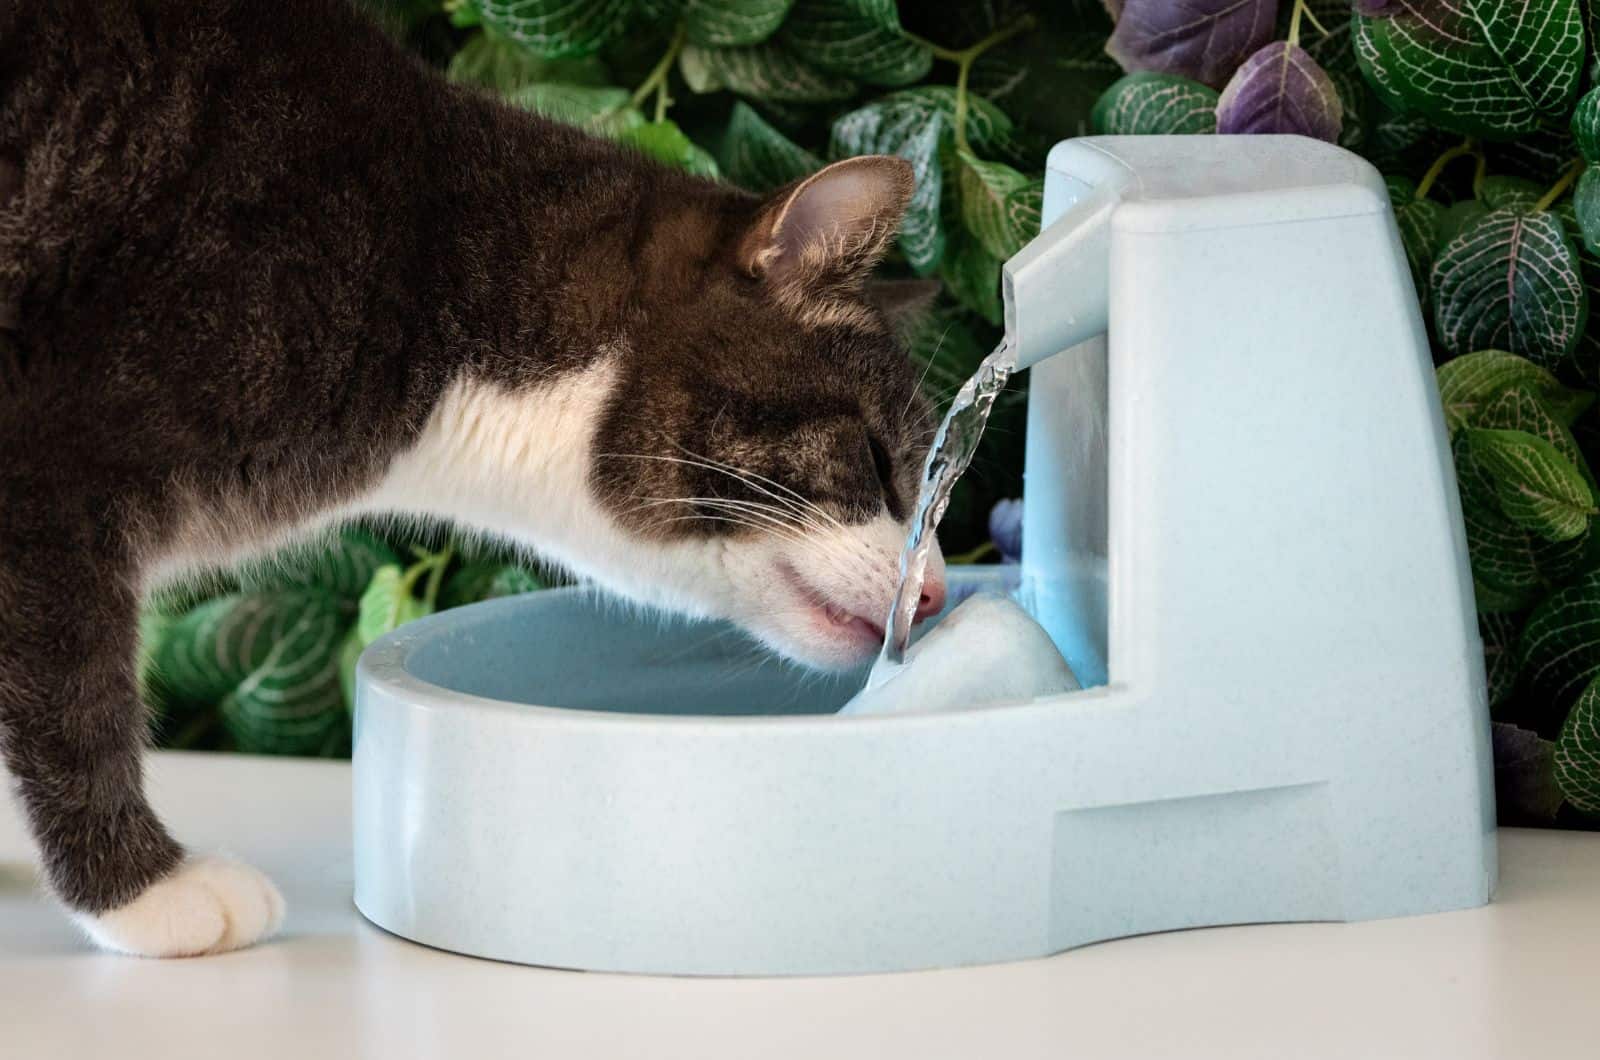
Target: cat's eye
880,464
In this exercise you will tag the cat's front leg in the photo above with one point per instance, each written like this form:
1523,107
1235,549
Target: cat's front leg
73,733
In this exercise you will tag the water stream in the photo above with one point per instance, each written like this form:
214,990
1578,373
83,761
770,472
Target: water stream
952,451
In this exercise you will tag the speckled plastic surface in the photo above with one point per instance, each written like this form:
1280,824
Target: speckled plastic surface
1268,561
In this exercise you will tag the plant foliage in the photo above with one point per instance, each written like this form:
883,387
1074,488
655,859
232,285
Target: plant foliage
1479,113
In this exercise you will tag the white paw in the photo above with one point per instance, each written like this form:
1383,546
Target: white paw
208,905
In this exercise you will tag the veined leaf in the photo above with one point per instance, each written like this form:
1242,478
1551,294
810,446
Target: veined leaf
1204,40
761,71
987,189
1493,68
1456,217
1155,104
291,703
1499,635
1512,568
664,141
729,23
1418,221
1510,280
1538,486
1560,645
557,28
1501,192
495,61
1586,126
1281,89
857,38
758,157
386,605
972,274
915,132
1577,756
602,111
1470,383
1586,208
341,566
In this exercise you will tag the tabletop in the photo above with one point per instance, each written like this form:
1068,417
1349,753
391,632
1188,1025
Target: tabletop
1518,978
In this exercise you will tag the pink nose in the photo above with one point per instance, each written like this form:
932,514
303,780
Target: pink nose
932,601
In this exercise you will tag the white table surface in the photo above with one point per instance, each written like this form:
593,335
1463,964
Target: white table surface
1520,978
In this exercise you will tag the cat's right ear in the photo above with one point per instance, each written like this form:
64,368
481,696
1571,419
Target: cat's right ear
833,226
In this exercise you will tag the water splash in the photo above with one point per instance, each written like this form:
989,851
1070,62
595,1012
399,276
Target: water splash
952,451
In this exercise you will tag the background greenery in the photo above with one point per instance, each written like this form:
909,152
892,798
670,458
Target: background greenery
1477,111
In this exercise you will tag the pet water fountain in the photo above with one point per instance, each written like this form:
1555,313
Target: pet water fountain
1260,578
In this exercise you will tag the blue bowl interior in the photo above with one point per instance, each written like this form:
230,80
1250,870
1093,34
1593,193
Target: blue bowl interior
576,649
569,648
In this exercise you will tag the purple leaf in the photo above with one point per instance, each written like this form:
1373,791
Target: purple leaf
1005,529
1203,40
1524,775
1281,89
1377,8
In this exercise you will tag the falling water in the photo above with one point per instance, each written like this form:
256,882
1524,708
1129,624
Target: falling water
952,451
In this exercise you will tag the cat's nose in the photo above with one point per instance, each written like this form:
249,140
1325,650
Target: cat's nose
933,594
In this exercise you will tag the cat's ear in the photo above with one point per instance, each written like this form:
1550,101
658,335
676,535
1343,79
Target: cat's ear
832,226
903,303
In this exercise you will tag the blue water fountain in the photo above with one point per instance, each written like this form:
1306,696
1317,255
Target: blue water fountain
1241,530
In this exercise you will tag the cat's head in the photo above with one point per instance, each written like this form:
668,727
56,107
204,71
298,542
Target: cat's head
767,425
750,446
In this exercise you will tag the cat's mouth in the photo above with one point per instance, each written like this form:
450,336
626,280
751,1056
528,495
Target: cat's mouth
830,617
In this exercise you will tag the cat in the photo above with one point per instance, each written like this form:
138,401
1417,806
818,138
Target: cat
262,272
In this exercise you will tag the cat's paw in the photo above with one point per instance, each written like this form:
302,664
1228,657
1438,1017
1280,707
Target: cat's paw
208,905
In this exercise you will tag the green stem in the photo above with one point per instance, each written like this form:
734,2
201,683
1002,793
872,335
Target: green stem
1294,23
1553,196
656,80
430,595
1469,146
1304,6
964,58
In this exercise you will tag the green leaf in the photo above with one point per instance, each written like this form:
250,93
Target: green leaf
1512,568
1509,193
208,652
341,566
915,133
857,38
1586,208
1456,217
1586,126
291,702
487,581
349,656
1149,103
495,61
386,605
1577,757
1418,221
725,23
761,71
758,157
1499,634
1469,383
972,275
602,111
1521,409
945,350
986,190
557,28
1538,487
664,141
1560,645
1510,281
1492,68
